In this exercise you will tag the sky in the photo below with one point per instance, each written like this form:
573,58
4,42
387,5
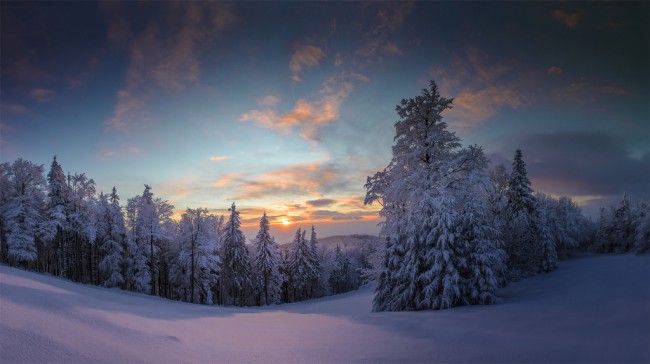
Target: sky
287,107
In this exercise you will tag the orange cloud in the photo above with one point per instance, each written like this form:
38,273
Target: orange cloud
306,115
225,180
475,86
305,56
474,108
218,158
570,20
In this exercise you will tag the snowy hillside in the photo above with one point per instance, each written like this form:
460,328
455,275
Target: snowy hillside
592,309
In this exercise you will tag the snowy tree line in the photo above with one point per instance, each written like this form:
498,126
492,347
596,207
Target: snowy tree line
455,231
57,224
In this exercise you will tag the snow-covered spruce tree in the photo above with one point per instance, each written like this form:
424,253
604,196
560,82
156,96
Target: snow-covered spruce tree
236,270
423,192
317,285
341,278
79,248
301,267
24,219
642,239
137,275
527,241
198,255
111,236
57,197
5,170
266,265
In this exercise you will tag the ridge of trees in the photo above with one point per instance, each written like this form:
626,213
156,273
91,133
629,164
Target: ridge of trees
60,226
454,231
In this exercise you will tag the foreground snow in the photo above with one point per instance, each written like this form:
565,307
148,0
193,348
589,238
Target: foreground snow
593,309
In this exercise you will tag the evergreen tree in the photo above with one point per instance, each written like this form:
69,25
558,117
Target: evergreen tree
24,220
526,243
422,192
137,278
56,211
642,238
303,267
267,264
112,237
317,286
341,279
236,271
198,257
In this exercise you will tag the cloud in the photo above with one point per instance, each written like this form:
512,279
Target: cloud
474,108
218,158
584,91
306,115
107,152
41,95
334,215
159,59
478,87
391,48
320,202
338,60
226,180
583,164
270,100
569,20
389,18
14,108
314,179
554,70
304,56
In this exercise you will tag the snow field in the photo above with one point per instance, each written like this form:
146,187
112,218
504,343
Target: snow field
592,309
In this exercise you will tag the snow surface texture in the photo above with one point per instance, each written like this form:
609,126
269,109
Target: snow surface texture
592,309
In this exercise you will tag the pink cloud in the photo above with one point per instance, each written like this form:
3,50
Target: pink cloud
14,108
554,70
391,48
305,56
41,95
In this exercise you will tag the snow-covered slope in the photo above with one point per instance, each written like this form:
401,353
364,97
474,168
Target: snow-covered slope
593,309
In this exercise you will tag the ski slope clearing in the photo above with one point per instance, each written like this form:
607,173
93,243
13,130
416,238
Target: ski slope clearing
592,309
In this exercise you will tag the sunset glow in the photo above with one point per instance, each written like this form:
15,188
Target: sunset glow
287,107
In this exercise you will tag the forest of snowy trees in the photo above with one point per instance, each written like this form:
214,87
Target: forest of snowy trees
455,231
57,224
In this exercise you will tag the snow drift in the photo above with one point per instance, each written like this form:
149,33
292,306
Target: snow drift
592,309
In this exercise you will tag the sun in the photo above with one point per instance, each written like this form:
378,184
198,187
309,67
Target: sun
284,221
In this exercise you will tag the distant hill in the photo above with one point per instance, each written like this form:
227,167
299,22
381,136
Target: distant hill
350,243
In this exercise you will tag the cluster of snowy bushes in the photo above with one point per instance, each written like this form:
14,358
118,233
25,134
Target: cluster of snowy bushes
454,232
57,224
623,229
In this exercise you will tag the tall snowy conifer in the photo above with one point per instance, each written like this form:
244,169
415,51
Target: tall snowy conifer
267,263
57,200
198,255
522,232
24,212
422,193
111,233
236,269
